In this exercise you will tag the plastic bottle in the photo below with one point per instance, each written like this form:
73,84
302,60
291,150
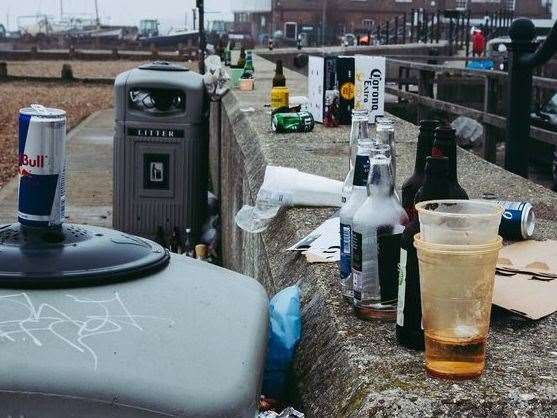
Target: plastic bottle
376,232
409,331
411,186
444,145
359,132
356,198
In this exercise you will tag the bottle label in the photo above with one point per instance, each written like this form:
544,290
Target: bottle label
401,287
357,276
361,170
388,249
345,253
375,259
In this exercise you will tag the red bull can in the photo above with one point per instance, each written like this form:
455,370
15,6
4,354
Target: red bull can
42,166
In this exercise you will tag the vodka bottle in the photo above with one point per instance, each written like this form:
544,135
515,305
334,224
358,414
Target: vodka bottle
411,186
357,196
376,231
358,133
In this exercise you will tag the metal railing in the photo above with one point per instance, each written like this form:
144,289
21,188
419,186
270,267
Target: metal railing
454,26
492,114
524,57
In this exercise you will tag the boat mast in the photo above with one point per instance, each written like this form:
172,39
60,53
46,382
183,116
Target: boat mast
97,13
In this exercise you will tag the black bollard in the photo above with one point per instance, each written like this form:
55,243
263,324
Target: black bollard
522,62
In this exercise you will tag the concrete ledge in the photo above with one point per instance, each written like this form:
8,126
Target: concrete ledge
348,367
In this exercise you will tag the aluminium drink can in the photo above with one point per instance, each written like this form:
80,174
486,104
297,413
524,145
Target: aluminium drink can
42,166
518,220
292,122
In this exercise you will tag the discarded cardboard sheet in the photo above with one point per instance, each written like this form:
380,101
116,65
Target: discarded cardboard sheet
526,279
322,245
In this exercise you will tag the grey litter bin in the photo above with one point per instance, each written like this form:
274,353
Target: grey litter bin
98,323
160,150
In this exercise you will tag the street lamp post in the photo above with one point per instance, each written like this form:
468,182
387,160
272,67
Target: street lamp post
202,40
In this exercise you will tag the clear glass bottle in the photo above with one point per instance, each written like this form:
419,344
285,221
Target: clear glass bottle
356,198
187,247
376,231
385,130
359,133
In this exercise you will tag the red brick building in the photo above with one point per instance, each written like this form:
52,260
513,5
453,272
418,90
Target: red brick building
341,16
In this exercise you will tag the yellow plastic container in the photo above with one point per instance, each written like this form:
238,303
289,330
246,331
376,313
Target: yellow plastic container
456,283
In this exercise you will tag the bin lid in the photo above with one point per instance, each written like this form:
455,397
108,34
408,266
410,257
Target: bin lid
74,255
163,66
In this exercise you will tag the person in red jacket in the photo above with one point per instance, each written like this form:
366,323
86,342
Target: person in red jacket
478,43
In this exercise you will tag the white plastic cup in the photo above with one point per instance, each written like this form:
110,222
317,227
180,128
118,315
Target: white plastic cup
459,222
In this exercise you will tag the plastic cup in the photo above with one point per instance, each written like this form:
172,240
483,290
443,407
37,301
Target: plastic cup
456,284
459,222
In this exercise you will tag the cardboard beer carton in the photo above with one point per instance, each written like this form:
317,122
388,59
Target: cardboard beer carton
321,77
345,77
369,85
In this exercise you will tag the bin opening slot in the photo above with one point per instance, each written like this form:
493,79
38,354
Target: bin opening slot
156,101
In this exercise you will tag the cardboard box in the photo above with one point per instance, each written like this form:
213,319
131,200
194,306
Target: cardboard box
321,77
369,85
345,77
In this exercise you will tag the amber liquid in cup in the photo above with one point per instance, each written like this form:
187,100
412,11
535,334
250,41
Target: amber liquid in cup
453,358
456,286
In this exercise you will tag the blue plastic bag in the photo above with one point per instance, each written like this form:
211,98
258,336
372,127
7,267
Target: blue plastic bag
285,331
480,65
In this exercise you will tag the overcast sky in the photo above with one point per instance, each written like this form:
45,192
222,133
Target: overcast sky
125,12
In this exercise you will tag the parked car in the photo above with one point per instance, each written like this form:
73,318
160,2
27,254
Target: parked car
546,116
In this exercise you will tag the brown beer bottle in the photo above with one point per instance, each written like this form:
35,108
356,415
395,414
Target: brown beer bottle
411,186
279,80
409,331
444,145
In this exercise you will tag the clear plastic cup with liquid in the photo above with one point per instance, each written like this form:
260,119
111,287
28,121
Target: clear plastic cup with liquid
457,249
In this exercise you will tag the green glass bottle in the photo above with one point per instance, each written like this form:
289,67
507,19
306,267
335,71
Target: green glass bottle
249,70
242,59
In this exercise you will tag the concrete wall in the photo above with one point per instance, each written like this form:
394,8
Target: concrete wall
348,367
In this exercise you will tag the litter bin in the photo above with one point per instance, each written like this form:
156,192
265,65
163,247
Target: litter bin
99,323
160,150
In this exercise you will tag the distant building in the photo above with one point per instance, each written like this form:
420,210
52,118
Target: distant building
252,17
342,16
